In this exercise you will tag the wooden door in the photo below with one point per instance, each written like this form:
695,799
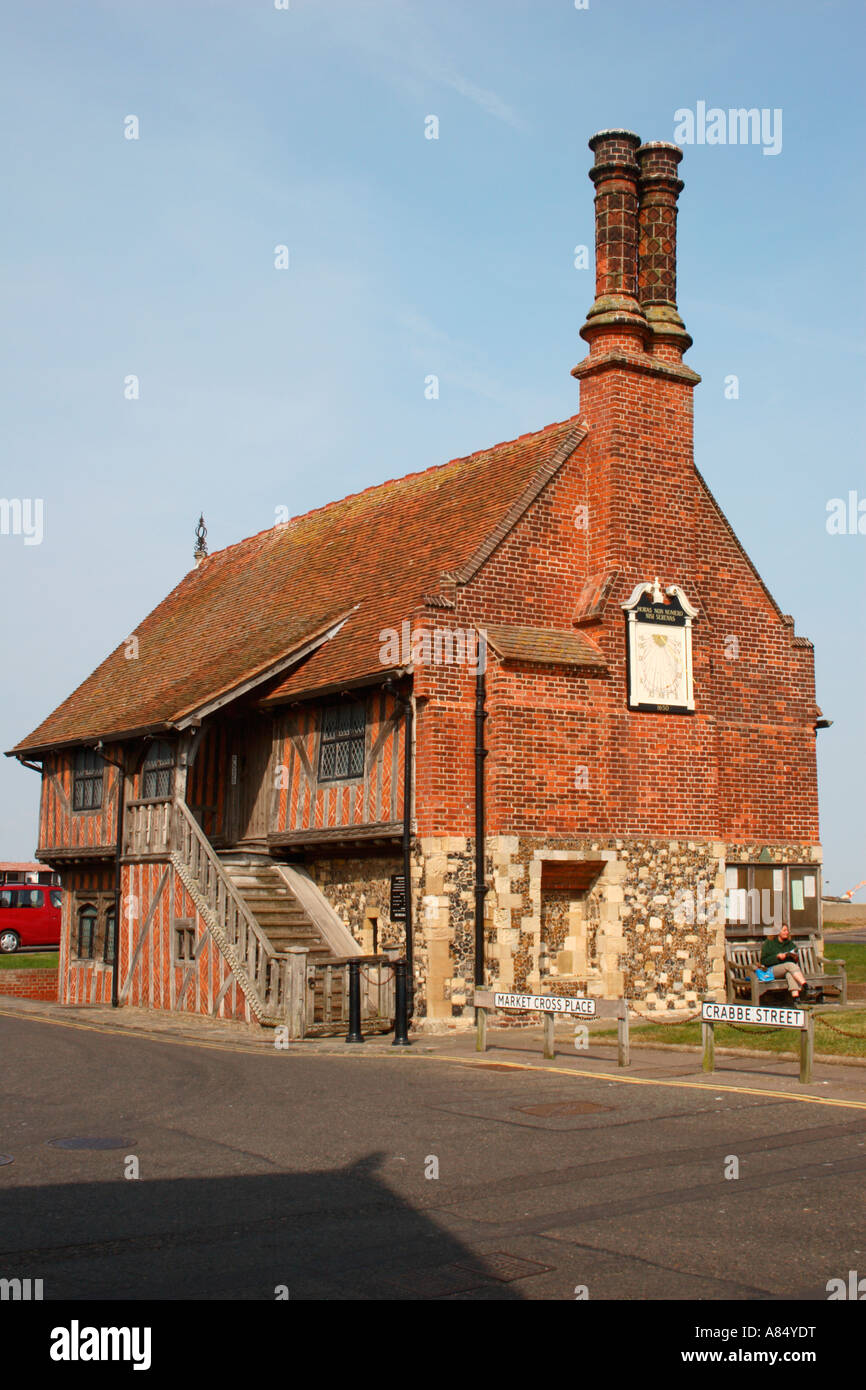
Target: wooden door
249,783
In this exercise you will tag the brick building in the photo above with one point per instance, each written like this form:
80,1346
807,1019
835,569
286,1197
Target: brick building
633,734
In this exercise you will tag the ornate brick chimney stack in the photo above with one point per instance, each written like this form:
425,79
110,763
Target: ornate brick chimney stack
635,390
659,188
616,318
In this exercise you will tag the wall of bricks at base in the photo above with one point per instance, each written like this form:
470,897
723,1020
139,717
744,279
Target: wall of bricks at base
29,984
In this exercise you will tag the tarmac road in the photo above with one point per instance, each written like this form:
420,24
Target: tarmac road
307,1170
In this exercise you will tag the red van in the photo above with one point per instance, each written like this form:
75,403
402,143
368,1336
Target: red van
29,916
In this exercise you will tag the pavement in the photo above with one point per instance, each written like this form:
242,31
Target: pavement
172,1157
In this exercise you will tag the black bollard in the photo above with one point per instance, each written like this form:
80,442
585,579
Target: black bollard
401,1003
354,1034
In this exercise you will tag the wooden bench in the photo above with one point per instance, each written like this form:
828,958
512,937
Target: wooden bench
742,959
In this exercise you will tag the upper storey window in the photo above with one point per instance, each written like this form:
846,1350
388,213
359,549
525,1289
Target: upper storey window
342,749
87,781
158,771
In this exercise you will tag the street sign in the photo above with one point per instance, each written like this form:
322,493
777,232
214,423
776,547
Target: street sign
753,1013
546,1003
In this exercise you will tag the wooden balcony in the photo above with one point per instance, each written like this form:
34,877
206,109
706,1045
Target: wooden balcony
147,828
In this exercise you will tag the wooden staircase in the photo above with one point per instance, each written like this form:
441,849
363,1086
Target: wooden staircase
278,911
282,940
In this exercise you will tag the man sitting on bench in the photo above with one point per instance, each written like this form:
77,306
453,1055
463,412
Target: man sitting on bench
779,954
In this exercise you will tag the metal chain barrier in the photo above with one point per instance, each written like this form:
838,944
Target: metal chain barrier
665,1022
861,1037
362,972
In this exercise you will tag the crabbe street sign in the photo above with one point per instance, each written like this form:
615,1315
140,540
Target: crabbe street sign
753,1013
546,1003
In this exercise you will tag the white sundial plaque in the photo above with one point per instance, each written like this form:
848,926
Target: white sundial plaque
660,649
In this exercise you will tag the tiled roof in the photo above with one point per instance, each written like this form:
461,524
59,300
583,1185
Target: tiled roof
372,555
544,646
593,596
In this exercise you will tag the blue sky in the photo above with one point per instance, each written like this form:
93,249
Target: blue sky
262,388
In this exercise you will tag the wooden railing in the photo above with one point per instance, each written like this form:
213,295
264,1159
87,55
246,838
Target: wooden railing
327,993
270,978
283,987
147,828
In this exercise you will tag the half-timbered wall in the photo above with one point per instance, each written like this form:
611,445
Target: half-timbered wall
84,981
207,780
154,902
62,828
303,802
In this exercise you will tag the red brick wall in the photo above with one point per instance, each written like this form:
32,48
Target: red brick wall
29,984
743,765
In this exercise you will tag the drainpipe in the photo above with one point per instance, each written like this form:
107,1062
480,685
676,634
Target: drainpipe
480,755
407,704
118,892
409,713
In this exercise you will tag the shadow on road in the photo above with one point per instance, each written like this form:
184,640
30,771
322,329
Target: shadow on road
338,1234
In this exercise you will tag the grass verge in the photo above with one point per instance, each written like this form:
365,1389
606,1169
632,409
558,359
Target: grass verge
755,1039
854,955
36,960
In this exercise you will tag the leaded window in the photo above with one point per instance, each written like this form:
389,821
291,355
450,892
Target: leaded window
158,771
342,748
86,931
87,781
108,940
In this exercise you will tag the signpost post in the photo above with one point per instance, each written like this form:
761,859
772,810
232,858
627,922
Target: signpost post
758,1015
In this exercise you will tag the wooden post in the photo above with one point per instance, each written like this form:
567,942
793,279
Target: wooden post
549,1024
708,1033
296,967
480,1030
622,1058
807,1048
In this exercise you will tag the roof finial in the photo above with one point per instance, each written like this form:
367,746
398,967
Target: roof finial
200,552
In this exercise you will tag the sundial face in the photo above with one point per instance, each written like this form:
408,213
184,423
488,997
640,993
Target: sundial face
660,666
660,649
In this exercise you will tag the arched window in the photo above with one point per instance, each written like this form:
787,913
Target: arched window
158,771
86,931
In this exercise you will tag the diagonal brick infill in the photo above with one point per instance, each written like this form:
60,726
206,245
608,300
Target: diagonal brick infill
835,1081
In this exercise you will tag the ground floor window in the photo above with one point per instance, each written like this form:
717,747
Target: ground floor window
760,897
92,933
109,944
184,940
87,920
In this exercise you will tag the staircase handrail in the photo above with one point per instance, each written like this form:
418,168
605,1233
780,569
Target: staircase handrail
256,961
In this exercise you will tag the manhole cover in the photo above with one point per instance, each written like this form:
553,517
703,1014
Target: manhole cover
5,1158
79,1141
562,1107
506,1268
